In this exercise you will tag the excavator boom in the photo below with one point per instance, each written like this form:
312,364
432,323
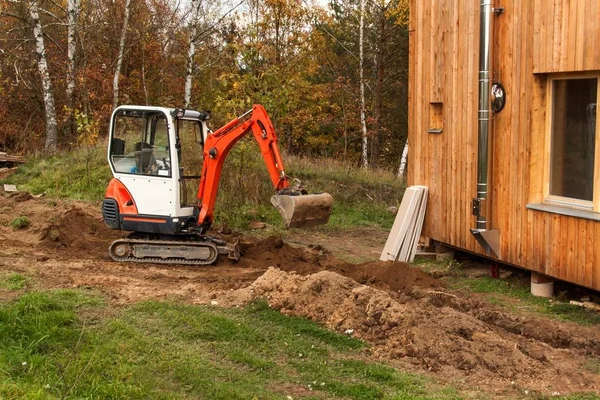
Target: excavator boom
297,208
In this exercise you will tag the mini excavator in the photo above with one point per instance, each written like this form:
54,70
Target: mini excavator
147,195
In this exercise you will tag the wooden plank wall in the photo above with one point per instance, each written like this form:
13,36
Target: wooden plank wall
444,42
566,35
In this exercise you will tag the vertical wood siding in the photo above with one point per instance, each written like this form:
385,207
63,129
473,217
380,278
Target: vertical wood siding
532,38
566,35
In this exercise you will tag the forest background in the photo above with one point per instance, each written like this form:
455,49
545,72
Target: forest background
334,77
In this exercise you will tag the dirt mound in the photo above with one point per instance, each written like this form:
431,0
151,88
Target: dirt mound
395,276
429,330
20,196
74,228
78,231
274,252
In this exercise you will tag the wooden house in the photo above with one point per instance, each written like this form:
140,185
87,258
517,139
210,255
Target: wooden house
502,129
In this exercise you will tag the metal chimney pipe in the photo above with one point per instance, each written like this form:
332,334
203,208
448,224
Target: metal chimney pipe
485,112
487,238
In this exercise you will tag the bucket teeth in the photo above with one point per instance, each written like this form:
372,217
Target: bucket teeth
303,210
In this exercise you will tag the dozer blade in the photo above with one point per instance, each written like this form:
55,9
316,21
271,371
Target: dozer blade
303,210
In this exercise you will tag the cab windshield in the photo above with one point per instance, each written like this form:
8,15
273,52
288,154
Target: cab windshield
140,143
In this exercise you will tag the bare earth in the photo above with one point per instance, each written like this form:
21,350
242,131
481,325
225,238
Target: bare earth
408,317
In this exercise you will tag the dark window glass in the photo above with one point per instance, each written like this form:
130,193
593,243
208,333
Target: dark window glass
573,138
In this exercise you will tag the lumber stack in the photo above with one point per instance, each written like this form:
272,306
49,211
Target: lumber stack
401,244
7,158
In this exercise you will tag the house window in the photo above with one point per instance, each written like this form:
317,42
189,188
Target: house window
573,168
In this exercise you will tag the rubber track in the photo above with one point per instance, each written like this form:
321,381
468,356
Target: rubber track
160,260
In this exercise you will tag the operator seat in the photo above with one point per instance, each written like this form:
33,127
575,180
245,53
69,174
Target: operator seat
145,162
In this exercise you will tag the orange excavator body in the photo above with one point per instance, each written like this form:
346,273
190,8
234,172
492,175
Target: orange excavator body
163,232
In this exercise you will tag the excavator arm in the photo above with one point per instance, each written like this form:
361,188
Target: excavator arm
296,208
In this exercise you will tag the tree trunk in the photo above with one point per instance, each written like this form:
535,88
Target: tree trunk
72,14
144,86
377,134
402,169
40,49
120,56
191,52
363,119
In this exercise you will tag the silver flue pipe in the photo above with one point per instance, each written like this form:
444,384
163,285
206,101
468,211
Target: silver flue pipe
485,111
488,238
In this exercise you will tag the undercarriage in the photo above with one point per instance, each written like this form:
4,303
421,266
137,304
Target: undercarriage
181,250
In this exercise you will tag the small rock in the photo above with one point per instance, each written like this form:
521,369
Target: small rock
257,225
214,303
349,331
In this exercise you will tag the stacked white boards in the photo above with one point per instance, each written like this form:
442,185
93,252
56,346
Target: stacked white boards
402,242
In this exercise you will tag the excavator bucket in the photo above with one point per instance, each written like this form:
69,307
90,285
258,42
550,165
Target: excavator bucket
303,210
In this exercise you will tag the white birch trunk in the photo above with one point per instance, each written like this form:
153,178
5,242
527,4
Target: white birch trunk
72,13
120,56
40,49
402,169
191,52
363,118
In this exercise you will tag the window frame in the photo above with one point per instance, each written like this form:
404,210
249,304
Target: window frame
555,200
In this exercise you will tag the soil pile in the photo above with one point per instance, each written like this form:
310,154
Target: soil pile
71,227
76,231
431,329
274,252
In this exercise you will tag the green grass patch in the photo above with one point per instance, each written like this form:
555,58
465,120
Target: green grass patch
515,295
20,222
64,344
81,174
593,365
13,281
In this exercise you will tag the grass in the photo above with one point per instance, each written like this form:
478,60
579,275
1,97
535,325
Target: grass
81,174
68,344
361,197
20,222
593,365
13,281
512,294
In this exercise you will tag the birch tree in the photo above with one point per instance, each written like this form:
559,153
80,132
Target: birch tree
72,14
40,49
191,52
120,55
363,119
402,169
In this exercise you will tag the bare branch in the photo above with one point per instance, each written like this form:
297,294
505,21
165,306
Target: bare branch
54,42
58,5
219,20
7,14
44,11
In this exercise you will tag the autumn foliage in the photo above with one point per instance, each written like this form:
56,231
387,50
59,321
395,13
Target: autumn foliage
297,58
